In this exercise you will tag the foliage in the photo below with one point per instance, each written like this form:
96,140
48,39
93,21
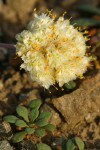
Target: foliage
42,146
87,9
70,85
72,144
31,121
85,22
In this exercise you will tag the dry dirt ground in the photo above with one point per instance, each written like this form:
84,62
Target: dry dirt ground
74,112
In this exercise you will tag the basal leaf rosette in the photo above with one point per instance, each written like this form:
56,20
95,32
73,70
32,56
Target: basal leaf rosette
52,51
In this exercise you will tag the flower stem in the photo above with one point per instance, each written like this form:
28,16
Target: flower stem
8,46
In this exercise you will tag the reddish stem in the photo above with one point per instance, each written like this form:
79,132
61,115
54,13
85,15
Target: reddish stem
8,46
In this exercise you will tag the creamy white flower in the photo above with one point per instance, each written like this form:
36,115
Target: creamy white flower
40,22
52,51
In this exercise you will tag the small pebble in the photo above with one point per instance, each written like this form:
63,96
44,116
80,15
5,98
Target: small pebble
4,145
26,145
5,131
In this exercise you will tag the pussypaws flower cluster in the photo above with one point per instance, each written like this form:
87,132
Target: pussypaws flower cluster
52,51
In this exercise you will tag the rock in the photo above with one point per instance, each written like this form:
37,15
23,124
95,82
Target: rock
92,86
3,94
73,107
92,131
5,130
26,145
4,145
55,119
34,94
8,104
14,83
22,96
56,143
25,98
90,117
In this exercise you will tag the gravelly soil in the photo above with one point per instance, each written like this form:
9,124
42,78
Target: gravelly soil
17,88
74,112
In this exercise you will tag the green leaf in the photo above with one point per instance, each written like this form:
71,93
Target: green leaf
33,114
63,143
35,103
43,146
70,85
20,123
45,115
23,112
43,119
79,143
30,130
40,132
49,127
70,145
10,118
42,122
30,124
86,22
19,137
88,9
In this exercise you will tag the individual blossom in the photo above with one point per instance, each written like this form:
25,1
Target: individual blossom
53,51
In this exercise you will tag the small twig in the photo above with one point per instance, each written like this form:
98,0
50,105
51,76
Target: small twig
8,46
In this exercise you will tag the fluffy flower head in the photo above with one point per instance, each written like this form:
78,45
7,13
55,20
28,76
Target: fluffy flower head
52,51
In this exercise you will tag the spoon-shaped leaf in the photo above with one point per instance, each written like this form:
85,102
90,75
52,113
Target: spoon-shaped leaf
45,114
79,143
43,146
10,118
42,122
43,119
40,132
30,130
33,114
23,112
20,123
35,103
70,145
19,137
49,127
